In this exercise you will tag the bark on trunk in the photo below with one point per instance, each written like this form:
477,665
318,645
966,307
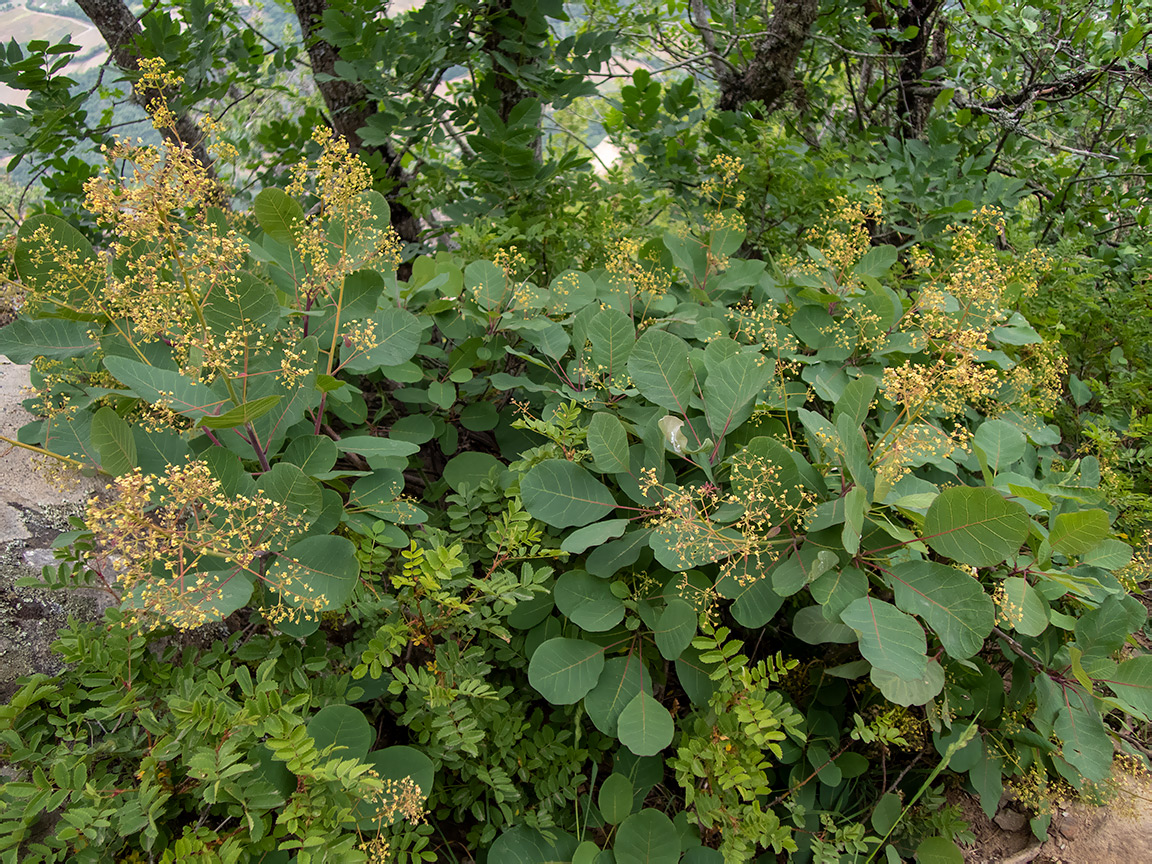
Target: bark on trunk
349,108
119,27
772,73
511,91
914,99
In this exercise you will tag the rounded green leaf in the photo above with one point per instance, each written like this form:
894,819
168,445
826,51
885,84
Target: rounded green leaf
702,855
112,438
886,813
694,676
479,416
595,534
810,625
647,837
622,680
280,216
731,389
889,639
939,850
523,845
417,428
615,799
312,454
470,467
909,691
247,302
608,443
564,495
951,602
660,370
588,601
378,493
975,525
398,334
343,727
675,628
1076,533
1132,682
1024,608
612,337
645,727
373,445
300,495
563,670
488,283
316,574
528,613
586,853
1000,442
22,340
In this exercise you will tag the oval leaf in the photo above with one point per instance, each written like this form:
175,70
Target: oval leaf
975,525
564,495
645,727
564,670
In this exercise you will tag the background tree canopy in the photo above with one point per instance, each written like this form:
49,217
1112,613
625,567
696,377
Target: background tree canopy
682,432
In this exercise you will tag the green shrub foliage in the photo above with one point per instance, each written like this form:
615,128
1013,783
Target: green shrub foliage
689,557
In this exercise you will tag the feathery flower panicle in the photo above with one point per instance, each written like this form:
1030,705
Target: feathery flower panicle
166,533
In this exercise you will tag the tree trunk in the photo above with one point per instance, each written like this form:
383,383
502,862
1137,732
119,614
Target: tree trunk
119,27
349,108
772,72
511,91
913,98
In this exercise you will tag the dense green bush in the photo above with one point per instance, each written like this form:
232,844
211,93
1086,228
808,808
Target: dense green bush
690,557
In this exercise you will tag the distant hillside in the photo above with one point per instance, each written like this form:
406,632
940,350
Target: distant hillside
31,19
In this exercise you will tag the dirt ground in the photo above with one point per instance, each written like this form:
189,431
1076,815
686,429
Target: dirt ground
1119,833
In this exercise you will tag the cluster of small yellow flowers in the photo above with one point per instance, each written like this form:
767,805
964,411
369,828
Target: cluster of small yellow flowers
749,546
728,169
218,148
718,222
159,531
60,475
11,289
843,237
360,336
760,325
511,261
597,376
338,177
1007,613
51,394
843,335
79,278
914,444
639,279
376,849
1039,792
158,416
1036,382
402,797
920,259
870,332
155,75
294,367
947,385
